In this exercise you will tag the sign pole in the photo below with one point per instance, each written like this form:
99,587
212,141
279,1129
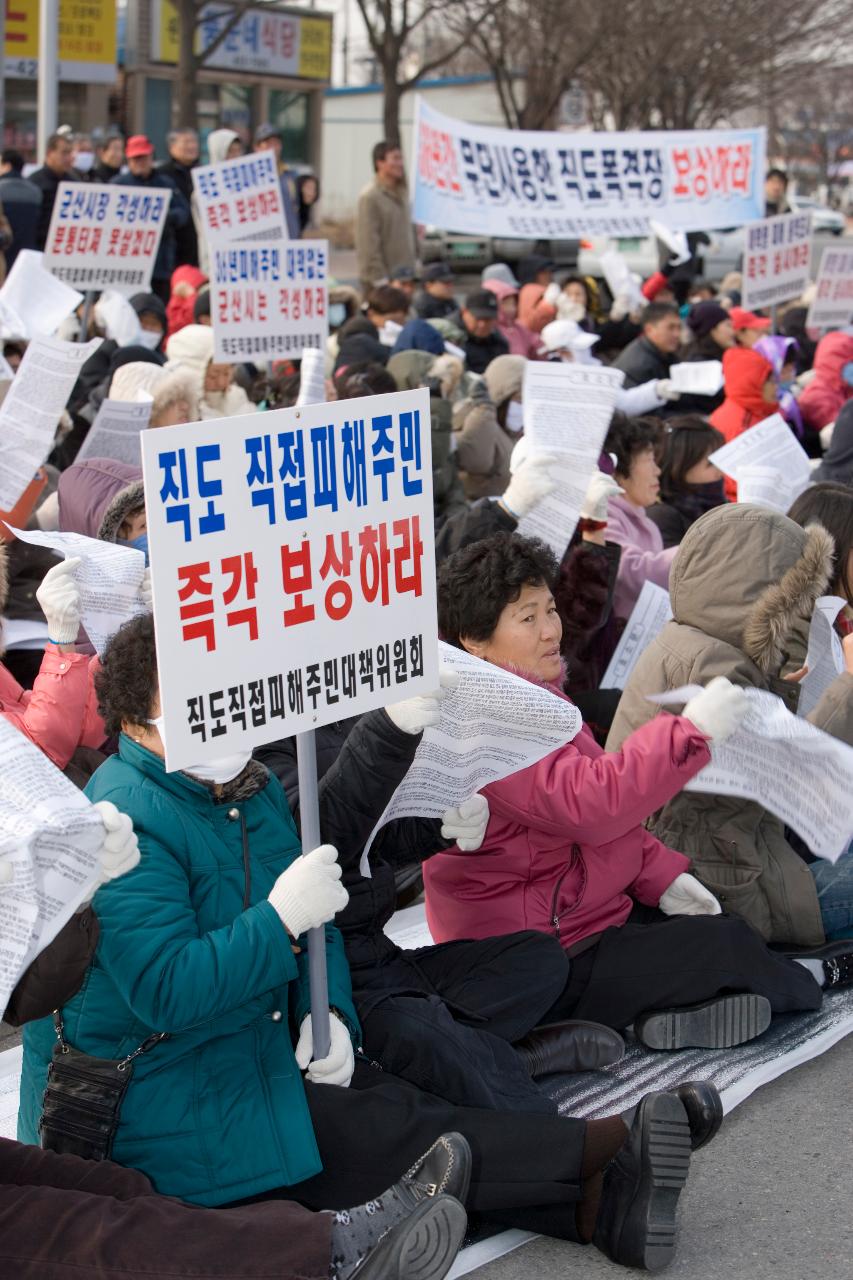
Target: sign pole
309,813
48,78
88,302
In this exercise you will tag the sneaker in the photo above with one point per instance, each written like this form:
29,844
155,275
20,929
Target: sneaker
715,1024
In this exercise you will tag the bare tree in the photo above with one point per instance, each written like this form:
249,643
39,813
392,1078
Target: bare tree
816,123
190,17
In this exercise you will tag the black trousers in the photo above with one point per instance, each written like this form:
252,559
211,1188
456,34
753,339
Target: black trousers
458,1006
525,1167
679,960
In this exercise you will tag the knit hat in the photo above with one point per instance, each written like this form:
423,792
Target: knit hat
705,316
149,304
191,348
136,381
504,378
500,271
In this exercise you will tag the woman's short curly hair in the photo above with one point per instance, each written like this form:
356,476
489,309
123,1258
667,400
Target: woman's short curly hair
626,437
127,682
477,583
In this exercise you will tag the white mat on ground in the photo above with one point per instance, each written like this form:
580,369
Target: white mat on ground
792,1040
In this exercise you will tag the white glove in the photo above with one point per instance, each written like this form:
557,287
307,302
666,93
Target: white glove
718,710
120,851
337,1067
146,595
532,480
59,597
466,823
687,897
600,490
568,310
666,390
309,892
552,294
413,715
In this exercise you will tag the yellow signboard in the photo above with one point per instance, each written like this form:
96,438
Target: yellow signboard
265,41
87,39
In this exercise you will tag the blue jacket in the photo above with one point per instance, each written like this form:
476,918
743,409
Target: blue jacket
217,1112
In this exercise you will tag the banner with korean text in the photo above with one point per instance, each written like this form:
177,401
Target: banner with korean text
293,569
240,199
268,300
832,304
105,237
776,260
508,182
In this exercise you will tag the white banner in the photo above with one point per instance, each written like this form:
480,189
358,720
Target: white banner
240,199
509,182
268,299
776,260
293,569
106,237
832,305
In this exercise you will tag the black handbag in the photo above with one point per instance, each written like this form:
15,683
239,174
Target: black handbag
81,1109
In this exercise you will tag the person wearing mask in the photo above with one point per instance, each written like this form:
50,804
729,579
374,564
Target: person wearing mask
219,396
435,300
776,193
268,138
21,201
537,299
487,424
748,326
140,163
183,148
651,355
216,967
109,157
483,341
750,397
56,169
82,156
152,319
384,235
832,385
521,340
690,484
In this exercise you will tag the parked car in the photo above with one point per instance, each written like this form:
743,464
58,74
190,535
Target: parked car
470,252
823,219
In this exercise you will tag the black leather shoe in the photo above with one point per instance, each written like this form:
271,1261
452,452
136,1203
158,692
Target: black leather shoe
701,1101
421,1247
443,1170
837,960
570,1046
714,1024
635,1225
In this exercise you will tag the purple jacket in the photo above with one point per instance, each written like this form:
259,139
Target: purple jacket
643,556
87,488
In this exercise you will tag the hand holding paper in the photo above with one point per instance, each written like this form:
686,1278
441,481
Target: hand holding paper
532,479
718,710
466,823
666,389
120,850
59,597
413,715
600,490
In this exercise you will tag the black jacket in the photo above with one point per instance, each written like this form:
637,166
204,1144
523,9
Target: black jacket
480,352
22,201
429,308
177,217
186,238
105,172
641,361
48,184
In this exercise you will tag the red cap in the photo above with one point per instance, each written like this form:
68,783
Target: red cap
138,145
743,319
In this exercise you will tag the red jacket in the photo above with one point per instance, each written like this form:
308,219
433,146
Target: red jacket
179,308
826,394
744,373
533,311
565,849
60,712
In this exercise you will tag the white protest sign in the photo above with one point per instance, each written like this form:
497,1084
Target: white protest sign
825,656
240,199
312,377
493,724
35,298
675,241
30,411
621,281
293,569
103,236
832,304
776,260
768,447
115,431
797,772
649,616
51,835
269,299
567,410
108,577
697,377
479,180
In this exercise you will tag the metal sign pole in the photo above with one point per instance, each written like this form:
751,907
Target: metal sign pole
47,89
309,811
88,302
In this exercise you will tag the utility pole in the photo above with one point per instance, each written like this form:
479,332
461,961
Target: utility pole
48,79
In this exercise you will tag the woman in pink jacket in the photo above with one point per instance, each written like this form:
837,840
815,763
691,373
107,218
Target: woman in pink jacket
566,851
832,385
60,712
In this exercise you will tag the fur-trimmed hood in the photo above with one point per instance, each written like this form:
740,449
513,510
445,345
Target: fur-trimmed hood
125,503
750,577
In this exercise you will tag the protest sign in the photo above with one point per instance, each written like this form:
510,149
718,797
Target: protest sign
31,409
767,462
240,199
108,577
268,298
776,260
492,724
567,410
649,616
293,569
825,656
797,772
33,303
105,237
512,182
832,305
52,836
115,432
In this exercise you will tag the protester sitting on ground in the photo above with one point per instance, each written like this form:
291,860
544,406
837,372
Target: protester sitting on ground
435,298
499,271
404,278
711,335
837,462
482,340
418,335
176,400
86,490
151,311
440,374
748,326
364,379
210,963
136,381
520,340
564,340
580,300
566,851
386,306
832,385
487,424
635,443
650,357
792,324
191,350
742,589
690,484
185,284
537,299
358,343
750,397
90,392
782,354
